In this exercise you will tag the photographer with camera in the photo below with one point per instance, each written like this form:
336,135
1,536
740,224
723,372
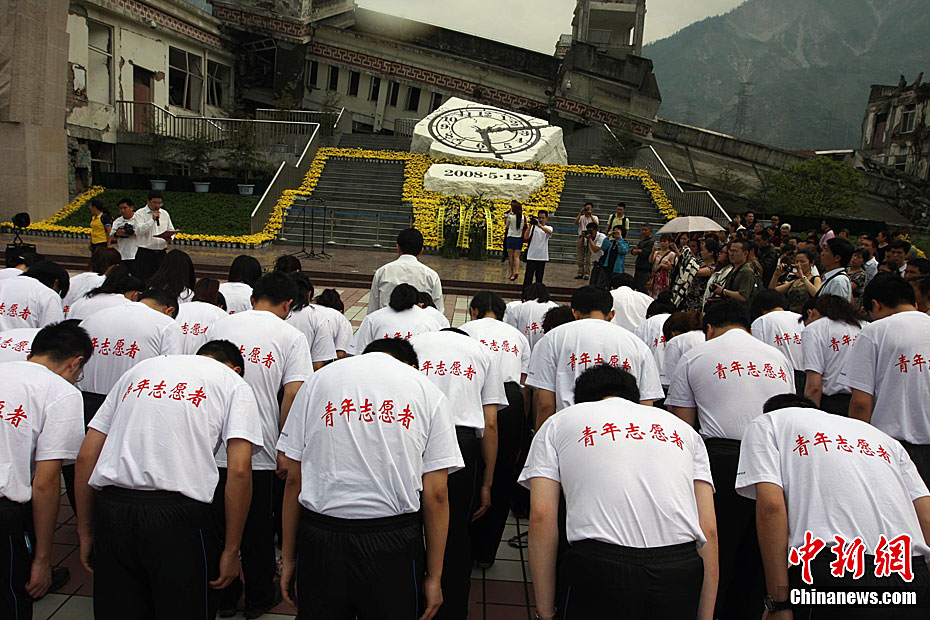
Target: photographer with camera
123,233
585,216
595,239
537,237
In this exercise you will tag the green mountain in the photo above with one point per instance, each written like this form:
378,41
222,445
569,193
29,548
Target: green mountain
809,65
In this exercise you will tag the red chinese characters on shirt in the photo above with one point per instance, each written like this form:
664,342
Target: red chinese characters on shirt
441,369
257,355
787,339
891,556
845,341
841,444
533,328
737,370
116,349
386,412
15,416
583,360
904,363
20,347
631,432
158,390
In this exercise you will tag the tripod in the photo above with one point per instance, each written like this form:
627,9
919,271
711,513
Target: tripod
322,253
302,252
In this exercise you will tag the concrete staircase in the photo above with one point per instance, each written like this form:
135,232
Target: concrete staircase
605,193
375,142
356,203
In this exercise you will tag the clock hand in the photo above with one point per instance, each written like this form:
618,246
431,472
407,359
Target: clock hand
486,138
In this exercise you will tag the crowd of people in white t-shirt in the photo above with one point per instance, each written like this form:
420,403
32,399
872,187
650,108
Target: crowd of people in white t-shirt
673,461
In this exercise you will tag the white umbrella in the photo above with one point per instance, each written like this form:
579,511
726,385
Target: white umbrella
690,223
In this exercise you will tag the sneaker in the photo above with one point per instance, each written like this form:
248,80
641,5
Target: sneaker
258,612
485,564
60,577
227,613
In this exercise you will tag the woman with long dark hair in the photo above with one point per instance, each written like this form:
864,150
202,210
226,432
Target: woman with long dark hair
202,312
515,222
402,318
176,276
311,322
244,272
118,288
330,305
832,328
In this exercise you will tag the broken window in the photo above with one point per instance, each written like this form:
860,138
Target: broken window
392,94
413,99
375,89
185,79
354,78
908,118
334,78
314,74
99,62
217,83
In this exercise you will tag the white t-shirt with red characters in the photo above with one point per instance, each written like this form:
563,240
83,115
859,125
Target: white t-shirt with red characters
782,330
389,323
275,354
570,349
196,318
165,419
504,342
528,318
26,302
840,476
728,379
650,332
364,444
122,337
678,346
16,344
86,307
318,331
467,373
596,452
238,296
339,325
828,345
629,307
41,419
81,284
890,362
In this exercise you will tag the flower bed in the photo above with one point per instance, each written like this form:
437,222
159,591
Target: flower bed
427,214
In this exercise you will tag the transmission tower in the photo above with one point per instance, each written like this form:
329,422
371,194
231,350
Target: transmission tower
741,121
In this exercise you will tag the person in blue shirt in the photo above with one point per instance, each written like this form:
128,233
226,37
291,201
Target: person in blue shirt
614,250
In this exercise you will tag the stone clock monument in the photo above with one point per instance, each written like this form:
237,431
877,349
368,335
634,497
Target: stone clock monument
467,130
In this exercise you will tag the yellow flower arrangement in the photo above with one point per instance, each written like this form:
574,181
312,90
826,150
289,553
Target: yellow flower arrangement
49,224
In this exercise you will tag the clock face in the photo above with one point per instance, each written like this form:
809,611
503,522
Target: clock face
483,130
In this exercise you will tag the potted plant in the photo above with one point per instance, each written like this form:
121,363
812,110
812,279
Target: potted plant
197,151
244,156
162,149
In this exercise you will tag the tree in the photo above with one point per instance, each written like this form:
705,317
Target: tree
244,155
815,187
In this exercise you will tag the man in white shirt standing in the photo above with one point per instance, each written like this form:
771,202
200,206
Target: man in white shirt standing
537,249
40,426
154,230
405,269
620,553
832,495
276,355
146,475
594,238
570,349
834,259
585,216
470,377
867,242
512,350
886,368
724,382
123,233
362,456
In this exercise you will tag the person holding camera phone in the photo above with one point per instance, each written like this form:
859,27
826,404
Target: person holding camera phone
537,251
123,233
595,239
585,216
515,222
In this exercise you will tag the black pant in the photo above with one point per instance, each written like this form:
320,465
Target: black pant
147,262
657,582
92,403
130,265
824,581
15,561
463,501
360,568
837,404
742,583
641,278
921,456
800,382
257,547
154,554
486,532
534,268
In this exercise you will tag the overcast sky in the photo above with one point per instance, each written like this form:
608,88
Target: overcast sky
537,24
